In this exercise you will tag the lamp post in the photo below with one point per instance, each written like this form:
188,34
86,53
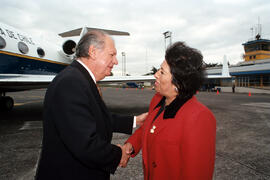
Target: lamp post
167,34
123,63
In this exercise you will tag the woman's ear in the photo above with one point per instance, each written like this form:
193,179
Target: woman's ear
176,89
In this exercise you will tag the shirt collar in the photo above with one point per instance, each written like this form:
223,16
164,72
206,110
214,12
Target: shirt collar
89,71
173,107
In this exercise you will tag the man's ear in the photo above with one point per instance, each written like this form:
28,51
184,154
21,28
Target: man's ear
92,52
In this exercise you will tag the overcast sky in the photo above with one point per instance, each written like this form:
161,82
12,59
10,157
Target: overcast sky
215,27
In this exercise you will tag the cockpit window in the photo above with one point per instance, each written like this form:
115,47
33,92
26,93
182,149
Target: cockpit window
23,47
40,52
2,43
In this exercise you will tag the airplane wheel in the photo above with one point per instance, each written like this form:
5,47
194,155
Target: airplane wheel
6,103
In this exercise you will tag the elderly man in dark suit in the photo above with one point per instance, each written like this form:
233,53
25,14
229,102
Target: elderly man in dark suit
77,127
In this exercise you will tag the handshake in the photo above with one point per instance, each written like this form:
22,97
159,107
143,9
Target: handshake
127,150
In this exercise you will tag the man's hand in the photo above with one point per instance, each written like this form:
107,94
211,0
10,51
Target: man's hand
125,157
141,118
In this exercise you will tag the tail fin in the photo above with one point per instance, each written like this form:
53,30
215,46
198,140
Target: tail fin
84,31
225,68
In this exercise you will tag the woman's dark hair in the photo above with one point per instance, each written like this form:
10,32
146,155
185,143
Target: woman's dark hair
186,65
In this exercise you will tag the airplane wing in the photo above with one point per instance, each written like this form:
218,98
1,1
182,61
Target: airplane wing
77,32
111,79
217,77
16,82
20,82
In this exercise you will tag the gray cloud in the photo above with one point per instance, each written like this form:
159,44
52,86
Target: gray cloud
215,27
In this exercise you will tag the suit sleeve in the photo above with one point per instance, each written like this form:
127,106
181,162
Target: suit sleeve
75,122
122,124
198,148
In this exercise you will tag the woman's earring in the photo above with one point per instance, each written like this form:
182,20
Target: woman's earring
176,89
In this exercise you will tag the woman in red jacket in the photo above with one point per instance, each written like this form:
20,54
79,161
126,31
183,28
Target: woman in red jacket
178,136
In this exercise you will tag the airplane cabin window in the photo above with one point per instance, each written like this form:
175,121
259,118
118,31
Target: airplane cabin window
40,52
23,47
2,43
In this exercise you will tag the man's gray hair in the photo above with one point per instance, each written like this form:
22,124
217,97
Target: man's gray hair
95,38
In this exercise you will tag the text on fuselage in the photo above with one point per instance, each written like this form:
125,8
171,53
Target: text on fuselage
17,36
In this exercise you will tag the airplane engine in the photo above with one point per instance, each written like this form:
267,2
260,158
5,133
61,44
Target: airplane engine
69,47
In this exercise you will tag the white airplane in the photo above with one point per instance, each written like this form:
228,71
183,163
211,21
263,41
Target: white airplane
32,63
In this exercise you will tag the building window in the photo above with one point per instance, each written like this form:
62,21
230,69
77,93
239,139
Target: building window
23,48
2,43
40,52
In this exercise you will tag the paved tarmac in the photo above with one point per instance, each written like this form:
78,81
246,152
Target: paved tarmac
247,90
242,145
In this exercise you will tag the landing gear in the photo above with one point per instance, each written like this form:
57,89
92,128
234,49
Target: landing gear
6,103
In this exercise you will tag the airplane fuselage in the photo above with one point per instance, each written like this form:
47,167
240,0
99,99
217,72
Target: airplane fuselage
24,54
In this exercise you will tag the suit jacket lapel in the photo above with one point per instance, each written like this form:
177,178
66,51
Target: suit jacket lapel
94,89
91,82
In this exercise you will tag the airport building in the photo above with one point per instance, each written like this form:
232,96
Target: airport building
254,71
